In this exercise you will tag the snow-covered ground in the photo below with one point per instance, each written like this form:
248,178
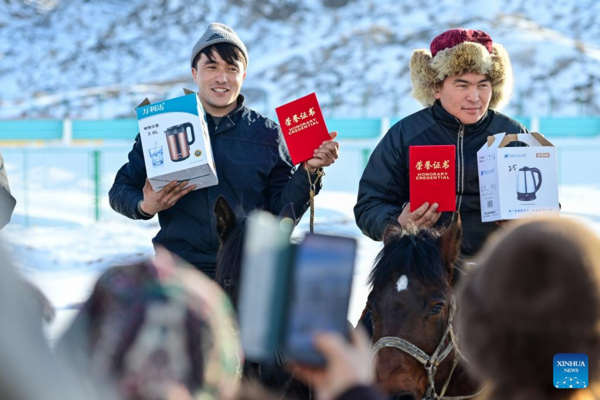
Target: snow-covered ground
55,242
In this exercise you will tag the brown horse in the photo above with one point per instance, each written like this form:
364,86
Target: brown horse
412,305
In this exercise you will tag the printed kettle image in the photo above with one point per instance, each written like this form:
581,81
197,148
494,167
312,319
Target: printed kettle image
529,181
177,141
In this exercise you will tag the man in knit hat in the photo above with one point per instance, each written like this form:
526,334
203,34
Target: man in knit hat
462,82
252,160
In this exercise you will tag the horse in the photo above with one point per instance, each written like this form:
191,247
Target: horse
412,308
230,228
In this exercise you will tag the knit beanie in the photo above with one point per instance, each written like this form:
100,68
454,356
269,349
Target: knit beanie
217,33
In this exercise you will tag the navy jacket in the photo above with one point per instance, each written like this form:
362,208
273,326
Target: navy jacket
384,186
254,170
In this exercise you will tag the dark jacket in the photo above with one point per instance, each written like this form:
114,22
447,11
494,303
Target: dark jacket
254,171
384,186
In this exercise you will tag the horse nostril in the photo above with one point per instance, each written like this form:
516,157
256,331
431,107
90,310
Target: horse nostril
405,396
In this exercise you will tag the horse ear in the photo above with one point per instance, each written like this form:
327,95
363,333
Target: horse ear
450,243
288,212
392,232
226,219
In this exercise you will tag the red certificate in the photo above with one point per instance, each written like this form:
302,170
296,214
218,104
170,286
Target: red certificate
432,176
303,127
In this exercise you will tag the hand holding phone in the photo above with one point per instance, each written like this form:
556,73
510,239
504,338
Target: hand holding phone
348,364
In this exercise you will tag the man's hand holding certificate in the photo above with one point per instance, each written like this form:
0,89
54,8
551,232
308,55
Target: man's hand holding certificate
306,134
432,175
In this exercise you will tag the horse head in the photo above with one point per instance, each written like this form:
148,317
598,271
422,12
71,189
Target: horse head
411,303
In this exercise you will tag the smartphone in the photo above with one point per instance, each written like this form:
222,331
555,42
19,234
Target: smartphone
320,288
263,280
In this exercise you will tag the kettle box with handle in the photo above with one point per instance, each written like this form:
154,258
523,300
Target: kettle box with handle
176,142
518,175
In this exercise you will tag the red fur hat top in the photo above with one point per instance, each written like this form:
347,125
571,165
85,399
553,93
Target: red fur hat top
452,37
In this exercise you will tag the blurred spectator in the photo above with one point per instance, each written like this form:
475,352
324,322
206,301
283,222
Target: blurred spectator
348,373
7,202
29,370
157,330
535,293
252,390
44,308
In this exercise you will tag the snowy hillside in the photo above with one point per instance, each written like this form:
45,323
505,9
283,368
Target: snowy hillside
90,59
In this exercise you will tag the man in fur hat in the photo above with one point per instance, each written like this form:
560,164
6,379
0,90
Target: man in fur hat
462,83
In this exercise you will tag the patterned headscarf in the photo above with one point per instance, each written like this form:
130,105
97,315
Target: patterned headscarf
156,327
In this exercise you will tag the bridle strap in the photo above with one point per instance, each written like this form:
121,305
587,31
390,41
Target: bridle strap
410,349
431,363
404,345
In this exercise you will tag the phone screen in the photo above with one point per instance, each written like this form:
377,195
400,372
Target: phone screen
321,286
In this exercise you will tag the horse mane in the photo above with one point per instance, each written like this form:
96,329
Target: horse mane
231,227
229,257
411,253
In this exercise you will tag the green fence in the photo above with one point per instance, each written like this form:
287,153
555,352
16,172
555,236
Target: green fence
367,128
570,127
32,129
348,128
115,129
54,184
126,129
37,169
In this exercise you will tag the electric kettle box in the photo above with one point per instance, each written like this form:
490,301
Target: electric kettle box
518,175
176,142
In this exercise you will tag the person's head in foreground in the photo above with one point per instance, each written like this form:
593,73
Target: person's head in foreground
29,370
534,293
157,330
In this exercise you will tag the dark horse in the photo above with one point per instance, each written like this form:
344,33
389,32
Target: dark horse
230,229
412,305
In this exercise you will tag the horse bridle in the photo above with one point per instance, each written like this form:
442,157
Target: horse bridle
431,362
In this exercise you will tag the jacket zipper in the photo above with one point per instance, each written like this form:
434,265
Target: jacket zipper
461,166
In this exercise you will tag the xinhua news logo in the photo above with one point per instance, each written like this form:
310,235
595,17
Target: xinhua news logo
570,371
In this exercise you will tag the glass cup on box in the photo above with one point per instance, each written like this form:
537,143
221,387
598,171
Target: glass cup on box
156,154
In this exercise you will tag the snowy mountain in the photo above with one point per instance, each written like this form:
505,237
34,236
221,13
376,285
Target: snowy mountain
99,59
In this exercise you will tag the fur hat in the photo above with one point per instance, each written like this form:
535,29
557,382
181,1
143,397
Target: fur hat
535,293
458,52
